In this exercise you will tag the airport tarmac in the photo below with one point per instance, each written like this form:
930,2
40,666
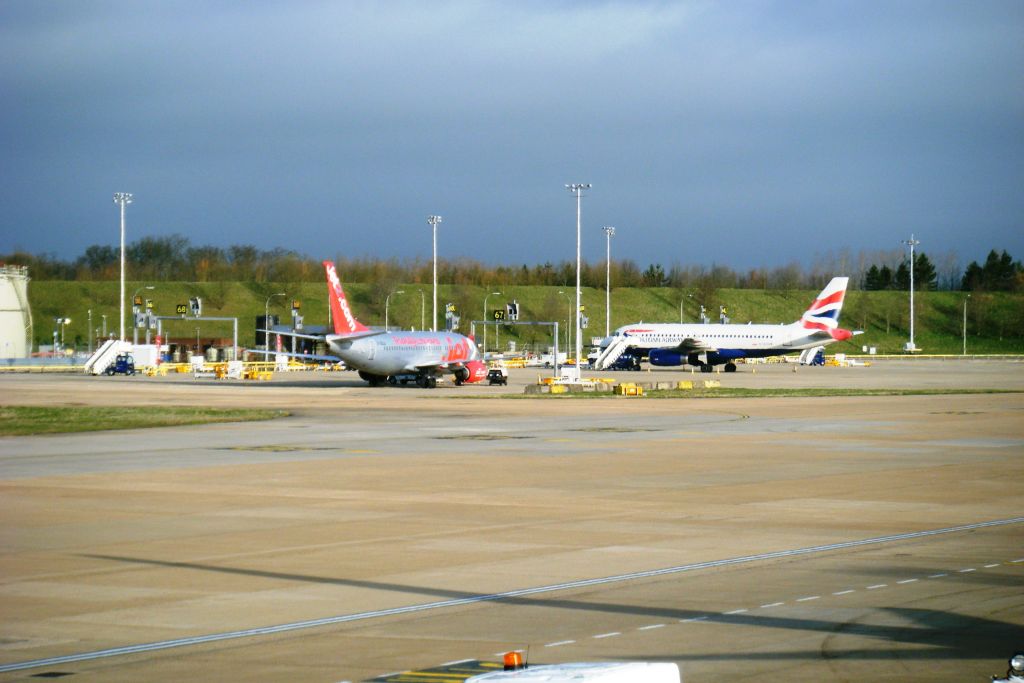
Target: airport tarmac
381,530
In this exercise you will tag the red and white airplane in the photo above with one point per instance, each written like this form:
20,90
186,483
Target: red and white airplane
707,345
395,357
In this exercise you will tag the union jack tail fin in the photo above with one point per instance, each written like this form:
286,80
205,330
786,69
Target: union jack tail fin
823,314
344,321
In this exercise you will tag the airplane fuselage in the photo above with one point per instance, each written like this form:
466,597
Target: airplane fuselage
393,353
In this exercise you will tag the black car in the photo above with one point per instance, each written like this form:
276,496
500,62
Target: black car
497,376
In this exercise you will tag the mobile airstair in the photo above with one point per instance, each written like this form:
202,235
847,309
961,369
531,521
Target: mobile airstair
105,355
618,346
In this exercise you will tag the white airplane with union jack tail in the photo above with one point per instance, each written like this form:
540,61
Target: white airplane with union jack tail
394,357
707,345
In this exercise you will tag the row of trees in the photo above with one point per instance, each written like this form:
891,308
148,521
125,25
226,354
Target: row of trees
999,274
174,258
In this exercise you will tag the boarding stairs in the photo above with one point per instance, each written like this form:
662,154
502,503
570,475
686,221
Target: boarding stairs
106,355
612,353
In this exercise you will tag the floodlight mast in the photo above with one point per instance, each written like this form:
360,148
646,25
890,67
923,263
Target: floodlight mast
913,243
122,198
577,189
433,221
609,231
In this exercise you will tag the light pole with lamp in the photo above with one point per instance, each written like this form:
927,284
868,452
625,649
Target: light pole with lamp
609,231
135,328
89,329
681,302
485,319
122,198
423,309
577,189
266,325
568,323
387,300
965,323
913,243
433,221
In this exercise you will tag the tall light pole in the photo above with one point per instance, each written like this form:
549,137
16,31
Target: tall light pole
387,300
609,231
89,329
913,243
122,198
433,221
485,318
568,323
577,189
135,328
965,323
266,324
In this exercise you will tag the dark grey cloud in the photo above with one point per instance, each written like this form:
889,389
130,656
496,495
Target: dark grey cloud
751,133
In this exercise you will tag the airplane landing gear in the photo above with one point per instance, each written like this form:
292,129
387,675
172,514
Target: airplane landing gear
426,381
730,367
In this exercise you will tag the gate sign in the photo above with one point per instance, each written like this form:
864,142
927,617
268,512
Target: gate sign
181,309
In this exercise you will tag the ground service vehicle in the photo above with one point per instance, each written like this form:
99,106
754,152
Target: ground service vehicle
124,364
497,376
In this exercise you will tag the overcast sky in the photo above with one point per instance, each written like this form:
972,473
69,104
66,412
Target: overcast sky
740,133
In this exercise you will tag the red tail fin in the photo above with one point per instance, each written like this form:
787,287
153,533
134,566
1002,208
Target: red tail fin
344,321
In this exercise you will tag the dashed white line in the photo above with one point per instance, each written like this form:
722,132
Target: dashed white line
685,621
989,566
846,592
877,586
560,643
608,635
651,627
808,598
736,611
937,576
969,569
772,604
1017,561
906,581
457,661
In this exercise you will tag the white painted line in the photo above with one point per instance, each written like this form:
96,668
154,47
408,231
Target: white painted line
937,576
877,585
651,627
560,643
459,661
846,592
808,598
478,598
608,635
969,569
684,621
989,566
1017,561
735,611
772,604
907,581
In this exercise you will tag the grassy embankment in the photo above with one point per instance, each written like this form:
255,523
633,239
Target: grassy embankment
995,322
24,420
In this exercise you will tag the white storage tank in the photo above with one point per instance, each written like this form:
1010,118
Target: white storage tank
15,315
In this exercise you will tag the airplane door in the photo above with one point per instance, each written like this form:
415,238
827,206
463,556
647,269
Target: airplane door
371,351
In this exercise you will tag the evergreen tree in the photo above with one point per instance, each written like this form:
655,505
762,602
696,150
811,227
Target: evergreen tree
925,276
872,279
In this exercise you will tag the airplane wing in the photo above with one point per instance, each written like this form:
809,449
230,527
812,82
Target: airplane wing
304,356
692,345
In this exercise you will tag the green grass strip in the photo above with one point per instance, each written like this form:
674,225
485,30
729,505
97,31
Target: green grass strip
26,420
720,392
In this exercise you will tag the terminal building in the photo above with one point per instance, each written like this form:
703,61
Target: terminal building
15,314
